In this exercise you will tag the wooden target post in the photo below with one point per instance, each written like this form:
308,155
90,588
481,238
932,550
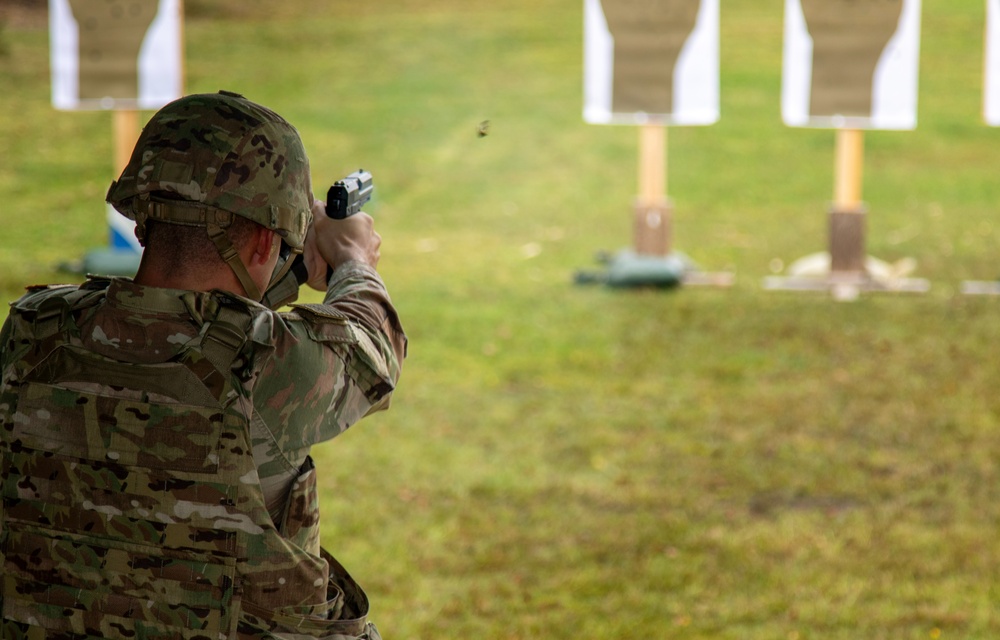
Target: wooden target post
653,260
126,131
839,69
653,211
122,255
635,74
848,215
845,269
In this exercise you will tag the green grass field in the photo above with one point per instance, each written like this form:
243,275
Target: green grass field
579,462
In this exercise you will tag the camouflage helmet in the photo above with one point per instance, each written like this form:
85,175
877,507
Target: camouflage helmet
207,153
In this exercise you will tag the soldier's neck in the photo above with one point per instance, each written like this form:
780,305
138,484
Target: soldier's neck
152,274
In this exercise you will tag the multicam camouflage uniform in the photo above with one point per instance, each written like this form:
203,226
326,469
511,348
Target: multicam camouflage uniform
154,443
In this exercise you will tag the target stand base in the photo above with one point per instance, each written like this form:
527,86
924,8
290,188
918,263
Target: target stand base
628,270
814,273
846,285
846,271
981,287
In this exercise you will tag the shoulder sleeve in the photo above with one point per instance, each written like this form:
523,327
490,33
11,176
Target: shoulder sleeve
333,362
357,290
357,296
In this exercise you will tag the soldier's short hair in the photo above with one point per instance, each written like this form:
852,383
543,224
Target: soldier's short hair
186,248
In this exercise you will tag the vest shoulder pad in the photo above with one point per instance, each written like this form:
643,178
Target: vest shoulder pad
73,296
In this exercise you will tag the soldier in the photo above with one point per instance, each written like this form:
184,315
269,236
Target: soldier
155,432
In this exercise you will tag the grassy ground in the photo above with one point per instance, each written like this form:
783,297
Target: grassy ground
576,462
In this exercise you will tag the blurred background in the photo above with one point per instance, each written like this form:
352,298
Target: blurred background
585,462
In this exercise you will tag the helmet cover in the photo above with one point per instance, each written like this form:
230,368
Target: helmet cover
221,151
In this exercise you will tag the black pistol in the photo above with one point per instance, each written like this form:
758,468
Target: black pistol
347,196
344,199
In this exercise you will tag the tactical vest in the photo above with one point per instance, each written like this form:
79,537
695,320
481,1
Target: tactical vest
131,506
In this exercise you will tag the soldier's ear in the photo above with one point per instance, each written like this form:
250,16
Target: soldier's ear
264,245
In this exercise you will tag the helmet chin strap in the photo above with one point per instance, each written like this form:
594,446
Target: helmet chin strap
215,222
232,258
282,268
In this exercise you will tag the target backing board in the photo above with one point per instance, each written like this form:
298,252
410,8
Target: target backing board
115,54
851,63
651,61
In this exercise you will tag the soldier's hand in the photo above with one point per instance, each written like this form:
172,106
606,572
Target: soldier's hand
334,242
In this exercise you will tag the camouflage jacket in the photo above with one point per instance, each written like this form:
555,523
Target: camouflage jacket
120,400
